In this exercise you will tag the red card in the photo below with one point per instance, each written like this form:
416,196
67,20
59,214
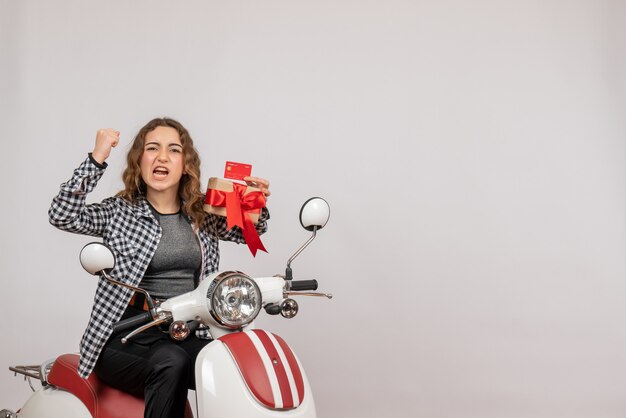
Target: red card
237,171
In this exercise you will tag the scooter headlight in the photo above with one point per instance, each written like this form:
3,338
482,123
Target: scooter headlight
235,299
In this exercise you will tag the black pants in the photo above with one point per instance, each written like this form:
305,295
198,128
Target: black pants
151,365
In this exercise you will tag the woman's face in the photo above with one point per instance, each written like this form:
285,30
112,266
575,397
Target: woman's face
162,162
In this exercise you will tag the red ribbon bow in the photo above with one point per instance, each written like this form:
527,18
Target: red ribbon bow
239,205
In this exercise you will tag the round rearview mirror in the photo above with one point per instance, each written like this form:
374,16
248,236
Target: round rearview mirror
96,257
314,213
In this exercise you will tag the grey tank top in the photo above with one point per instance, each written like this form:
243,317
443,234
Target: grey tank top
175,267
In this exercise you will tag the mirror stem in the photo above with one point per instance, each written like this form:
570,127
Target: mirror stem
136,289
288,274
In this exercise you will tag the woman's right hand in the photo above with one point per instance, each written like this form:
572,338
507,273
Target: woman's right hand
105,140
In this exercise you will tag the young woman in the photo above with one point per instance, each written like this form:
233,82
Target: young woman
163,242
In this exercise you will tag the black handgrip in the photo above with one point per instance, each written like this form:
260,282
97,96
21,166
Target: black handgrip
132,322
303,285
272,309
193,325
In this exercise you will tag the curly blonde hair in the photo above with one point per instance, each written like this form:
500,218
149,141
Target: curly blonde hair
189,188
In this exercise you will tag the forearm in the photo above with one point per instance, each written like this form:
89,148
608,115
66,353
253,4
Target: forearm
69,211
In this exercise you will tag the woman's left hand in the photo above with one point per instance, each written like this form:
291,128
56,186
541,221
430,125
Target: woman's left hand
259,183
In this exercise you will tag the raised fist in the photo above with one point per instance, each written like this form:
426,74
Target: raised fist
105,140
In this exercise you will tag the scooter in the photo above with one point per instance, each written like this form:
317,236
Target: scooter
244,372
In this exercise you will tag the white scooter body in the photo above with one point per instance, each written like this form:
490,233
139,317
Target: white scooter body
221,388
221,392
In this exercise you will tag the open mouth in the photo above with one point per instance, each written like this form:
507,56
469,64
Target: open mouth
160,172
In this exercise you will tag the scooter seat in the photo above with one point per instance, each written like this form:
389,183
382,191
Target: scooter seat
101,400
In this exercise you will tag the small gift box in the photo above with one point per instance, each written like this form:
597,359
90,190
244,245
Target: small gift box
216,194
240,204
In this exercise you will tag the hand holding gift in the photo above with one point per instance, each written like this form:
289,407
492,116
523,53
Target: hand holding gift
262,184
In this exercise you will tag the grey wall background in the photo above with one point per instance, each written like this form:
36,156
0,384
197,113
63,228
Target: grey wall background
472,152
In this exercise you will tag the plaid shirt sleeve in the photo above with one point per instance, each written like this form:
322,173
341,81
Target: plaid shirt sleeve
69,211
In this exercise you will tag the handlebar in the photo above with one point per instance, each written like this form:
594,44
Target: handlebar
132,322
299,285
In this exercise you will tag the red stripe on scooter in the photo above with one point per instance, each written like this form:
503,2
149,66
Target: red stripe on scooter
279,368
293,365
251,366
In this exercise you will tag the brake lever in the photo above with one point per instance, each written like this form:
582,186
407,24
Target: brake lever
163,317
324,295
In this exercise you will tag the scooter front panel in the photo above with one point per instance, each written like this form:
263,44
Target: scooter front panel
223,391
265,365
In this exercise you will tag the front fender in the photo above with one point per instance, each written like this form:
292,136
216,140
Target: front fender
252,374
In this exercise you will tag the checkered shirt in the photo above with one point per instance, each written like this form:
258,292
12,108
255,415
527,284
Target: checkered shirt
133,233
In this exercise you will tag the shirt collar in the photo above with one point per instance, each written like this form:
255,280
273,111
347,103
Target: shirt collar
142,208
